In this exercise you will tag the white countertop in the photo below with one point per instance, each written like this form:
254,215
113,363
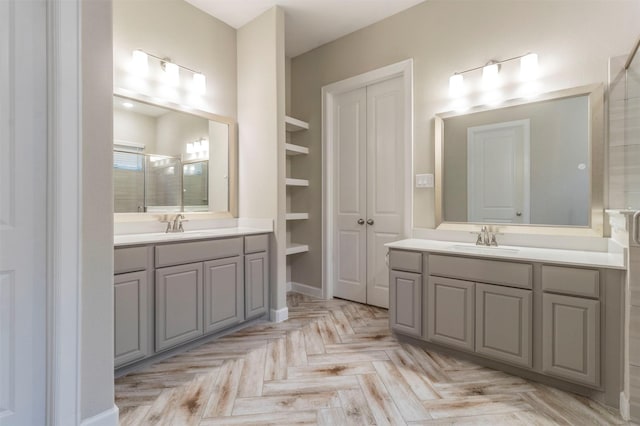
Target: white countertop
594,259
162,237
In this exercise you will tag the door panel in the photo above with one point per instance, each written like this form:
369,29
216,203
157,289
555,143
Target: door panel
503,323
498,172
130,313
178,304
350,189
406,302
223,293
23,165
385,181
571,338
256,267
450,309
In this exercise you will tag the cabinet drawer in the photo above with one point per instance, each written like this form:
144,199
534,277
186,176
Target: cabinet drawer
197,251
487,271
573,281
129,259
410,261
256,243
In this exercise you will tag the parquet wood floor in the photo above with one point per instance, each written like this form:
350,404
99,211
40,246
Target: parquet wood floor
336,363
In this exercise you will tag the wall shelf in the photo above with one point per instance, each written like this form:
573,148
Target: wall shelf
295,149
296,182
297,248
296,216
295,125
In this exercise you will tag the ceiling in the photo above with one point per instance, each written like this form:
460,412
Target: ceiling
309,23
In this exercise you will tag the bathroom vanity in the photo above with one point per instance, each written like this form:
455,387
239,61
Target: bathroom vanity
555,316
172,289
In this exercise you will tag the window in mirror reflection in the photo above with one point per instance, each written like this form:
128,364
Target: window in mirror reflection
524,164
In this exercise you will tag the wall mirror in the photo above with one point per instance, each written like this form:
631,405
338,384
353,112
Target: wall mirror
170,158
527,163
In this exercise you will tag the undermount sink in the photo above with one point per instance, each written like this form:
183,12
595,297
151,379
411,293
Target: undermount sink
484,249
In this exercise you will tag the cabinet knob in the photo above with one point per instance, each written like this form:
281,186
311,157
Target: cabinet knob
370,222
518,213
360,221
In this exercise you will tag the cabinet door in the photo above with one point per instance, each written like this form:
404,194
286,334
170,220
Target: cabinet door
178,304
405,312
503,323
130,317
450,310
256,269
571,338
223,293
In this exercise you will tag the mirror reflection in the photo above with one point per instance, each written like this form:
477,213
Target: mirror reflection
167,160
522,164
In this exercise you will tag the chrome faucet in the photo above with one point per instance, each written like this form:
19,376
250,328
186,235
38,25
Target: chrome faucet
486,237
176,224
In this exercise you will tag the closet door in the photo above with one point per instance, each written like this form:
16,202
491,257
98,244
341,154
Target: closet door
385,182
350,258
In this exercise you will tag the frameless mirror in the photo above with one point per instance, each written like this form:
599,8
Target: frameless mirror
532,163
169,158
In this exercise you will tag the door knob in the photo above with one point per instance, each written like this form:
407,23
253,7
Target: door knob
360,221
370,222
518,213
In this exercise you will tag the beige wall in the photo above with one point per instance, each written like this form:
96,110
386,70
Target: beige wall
96,256
261,105
129,126
190,37
573,39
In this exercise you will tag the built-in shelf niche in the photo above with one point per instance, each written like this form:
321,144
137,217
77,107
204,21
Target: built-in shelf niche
296,182
293,248
295,125
296,216
293,149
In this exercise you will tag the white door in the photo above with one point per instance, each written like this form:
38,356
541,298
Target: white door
498,172
23,149
369,191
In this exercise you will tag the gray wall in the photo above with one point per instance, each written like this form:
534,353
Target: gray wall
558,143
96,261
573,39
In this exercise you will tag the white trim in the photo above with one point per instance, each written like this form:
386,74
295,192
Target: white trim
625,408
279,315
403,69
64,151
305,289
106,418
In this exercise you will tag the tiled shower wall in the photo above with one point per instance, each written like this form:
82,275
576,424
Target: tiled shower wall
624,134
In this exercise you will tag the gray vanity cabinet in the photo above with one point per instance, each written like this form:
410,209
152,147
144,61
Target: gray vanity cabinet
451,312
571,338
130,314
178,304
504,323
256,266
223,293
405,292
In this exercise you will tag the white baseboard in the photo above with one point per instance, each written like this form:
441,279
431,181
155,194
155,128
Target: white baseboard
305,289
279,315
625,409
106,418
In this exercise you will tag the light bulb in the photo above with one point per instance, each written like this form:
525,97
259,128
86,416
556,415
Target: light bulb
139,62
189,148
199,83
529,67
171,73
456,85
490,75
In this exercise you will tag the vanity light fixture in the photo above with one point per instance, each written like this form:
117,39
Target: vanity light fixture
491,70
140,66
198,146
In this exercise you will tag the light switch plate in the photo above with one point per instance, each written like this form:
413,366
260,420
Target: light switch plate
424,180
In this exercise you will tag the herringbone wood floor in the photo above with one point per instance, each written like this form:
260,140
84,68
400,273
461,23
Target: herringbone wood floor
333,363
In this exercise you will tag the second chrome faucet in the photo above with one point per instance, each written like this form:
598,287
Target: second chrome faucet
176,224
